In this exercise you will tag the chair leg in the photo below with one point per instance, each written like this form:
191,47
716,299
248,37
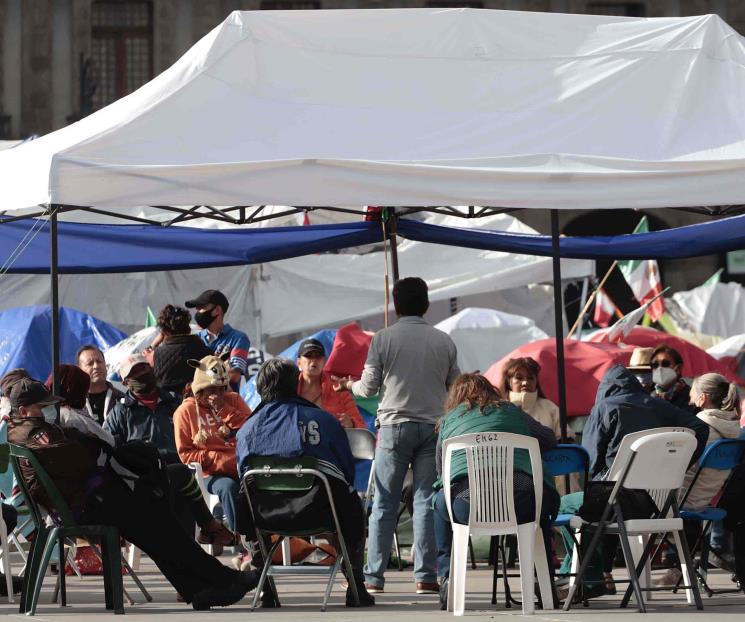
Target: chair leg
574,567
584,562
398,550
46,555
637,544
61,572
459,556
689,576
136,579
471,553
7,567
32,568
265,570
112,568
330,582
494,550
631,566
542,571
526,554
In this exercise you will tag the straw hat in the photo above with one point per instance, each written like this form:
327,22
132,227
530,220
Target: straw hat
641,359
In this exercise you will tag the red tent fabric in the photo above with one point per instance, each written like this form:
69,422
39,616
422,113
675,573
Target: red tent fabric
585,364
695,360
349,353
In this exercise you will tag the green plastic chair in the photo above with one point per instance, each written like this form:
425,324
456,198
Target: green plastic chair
67,527
300,474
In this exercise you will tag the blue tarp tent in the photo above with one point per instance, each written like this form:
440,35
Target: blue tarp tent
26,337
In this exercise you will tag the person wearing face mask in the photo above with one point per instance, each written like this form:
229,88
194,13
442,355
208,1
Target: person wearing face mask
520,383
221,338
206,423
667,368
102,395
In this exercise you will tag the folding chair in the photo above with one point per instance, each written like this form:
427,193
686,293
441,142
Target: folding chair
657,462
211,500
490,459
722,455
65,527
362,444
293,475
7,567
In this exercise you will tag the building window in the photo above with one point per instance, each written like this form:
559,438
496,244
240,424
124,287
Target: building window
289,5
122,48
454,4
624,9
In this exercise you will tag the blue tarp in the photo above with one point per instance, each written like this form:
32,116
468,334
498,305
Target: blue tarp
89,248
26,337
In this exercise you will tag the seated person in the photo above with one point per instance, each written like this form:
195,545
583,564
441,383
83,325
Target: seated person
520,382
622,406
177,346
474,405
98,496
102,395
667,378
206,423
317,386
286,425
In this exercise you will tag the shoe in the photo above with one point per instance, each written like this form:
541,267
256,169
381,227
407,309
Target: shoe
721,560
373,589
366,599
427,588
17,585
669,579
444,594
217,549
219,597
610,584
217,535
562,591
241,562
249,578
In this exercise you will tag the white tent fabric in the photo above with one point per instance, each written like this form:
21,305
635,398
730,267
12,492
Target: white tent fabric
414,107
711,309
305,293
483,336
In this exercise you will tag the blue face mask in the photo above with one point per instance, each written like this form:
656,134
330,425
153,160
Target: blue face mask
50,413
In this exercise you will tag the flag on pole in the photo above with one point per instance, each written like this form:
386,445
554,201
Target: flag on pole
623,326
150,318
643,277
604,309
714,278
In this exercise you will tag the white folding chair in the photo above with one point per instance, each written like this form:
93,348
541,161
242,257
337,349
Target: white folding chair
656,463
490,458
362,444
210,499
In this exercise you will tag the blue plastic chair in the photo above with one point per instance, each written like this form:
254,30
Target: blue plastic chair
565,460
722,455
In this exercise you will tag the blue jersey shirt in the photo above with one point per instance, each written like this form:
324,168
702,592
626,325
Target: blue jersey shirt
231,341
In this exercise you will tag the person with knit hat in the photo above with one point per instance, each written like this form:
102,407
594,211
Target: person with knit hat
205,427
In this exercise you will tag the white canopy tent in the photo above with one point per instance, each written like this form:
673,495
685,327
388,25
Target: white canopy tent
414,107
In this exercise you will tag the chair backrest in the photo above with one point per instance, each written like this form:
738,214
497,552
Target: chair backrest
59,505
490,459
362,443
659,461
623,454
722,455
565,459
269,479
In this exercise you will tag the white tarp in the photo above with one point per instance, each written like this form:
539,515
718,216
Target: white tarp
415,107
304,293
712,309
484,336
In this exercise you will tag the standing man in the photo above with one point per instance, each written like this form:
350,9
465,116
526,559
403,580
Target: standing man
102,396
221,338
412,365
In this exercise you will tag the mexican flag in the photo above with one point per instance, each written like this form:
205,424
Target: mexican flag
643,277
604,309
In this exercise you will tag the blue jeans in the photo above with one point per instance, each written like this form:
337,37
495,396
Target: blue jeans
399,446
227,489
444,529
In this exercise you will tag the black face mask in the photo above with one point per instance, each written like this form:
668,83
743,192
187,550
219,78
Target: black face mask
143,385
203,318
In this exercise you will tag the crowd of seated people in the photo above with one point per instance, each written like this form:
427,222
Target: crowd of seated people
185,411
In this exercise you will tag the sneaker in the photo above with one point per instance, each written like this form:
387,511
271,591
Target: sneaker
241,562
217,534
669,579
721,560
427,588
373,589
444,595
366,600
219,597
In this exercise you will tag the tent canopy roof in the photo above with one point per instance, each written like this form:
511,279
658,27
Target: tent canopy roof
414,107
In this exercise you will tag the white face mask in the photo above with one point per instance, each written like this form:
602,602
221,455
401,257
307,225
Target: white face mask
50,413
524,399
663,377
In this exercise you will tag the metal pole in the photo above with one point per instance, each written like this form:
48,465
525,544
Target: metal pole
53,272
392,229
558,322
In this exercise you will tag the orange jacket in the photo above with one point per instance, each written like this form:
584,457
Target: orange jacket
216,454
337,404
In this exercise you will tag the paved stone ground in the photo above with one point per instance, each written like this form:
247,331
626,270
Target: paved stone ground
301,598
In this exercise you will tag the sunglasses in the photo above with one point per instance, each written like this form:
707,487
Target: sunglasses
663,363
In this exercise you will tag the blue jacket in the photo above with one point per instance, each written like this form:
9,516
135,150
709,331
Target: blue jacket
622,406
296,427
129,420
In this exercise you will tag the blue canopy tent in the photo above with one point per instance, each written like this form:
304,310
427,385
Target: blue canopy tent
26,337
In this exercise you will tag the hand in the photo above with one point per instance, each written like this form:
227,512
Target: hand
345,421
235,376
341,384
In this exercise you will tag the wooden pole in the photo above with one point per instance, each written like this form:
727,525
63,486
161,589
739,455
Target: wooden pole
591,299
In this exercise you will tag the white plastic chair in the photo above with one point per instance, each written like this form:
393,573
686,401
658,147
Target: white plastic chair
5,564
655,462
362,444
490,457
210,499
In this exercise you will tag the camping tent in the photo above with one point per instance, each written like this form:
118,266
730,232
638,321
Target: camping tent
25,337
414,107
483,336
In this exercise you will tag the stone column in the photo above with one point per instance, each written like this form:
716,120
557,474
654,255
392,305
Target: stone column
80,46
36,66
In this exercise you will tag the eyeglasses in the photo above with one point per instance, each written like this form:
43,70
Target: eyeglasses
662,363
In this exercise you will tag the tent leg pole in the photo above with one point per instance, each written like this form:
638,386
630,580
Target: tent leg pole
558,322
392,228
54,274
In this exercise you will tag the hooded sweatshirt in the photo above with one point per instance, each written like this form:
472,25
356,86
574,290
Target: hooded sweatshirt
722,424
622,407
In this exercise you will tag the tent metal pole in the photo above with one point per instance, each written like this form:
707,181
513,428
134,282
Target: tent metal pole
559,322
54,274
392,229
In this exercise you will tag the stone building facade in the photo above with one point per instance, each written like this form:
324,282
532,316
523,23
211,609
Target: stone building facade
52,53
